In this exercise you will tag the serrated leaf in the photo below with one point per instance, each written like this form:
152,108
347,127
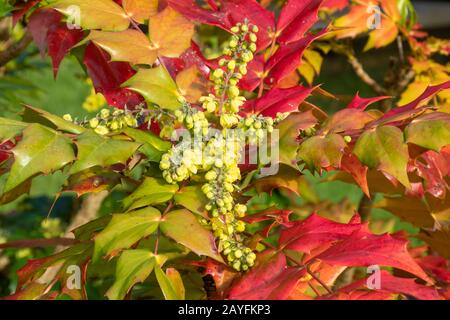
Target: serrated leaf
364,249
151,191
286,178
10,129
289,130
156,86
431,131
314,231
133,266
183,227
383,148
125,229
171,284
193,199
99,14
191,83
347,119
36,115
170,33
31,155
153,147
128,45
322,151
95,150
140,10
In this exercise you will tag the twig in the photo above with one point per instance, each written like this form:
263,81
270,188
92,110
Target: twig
323,284
15,49
406,81
364,76
38,243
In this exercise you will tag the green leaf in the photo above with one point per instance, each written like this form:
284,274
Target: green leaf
133,266
86,231
193,199
383,148
10,128
99,14
95,150
125,229
156,86
32,115
322,151
289,130
171,285
151,191
183,227
42,150
153,147
431,131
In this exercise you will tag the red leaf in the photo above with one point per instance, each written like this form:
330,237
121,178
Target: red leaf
351,164
5,148
278,100
434,167
288,58
315,231
363,103
192,11
239,10
21,9
296,17
39,24
437,266
364,249
231,12
60,40
334,4
254,75
271,279
389,285
192,56
107,77
429,92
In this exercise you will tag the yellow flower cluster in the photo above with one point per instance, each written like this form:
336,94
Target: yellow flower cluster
107,121
218,155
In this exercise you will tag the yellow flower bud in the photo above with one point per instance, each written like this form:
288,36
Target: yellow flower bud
67,117
231,65
218,73
102,130
93,123
252,37
233,91
235,29
105,113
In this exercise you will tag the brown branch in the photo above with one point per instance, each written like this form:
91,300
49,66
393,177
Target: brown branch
38,243
15,49
403,83
364,76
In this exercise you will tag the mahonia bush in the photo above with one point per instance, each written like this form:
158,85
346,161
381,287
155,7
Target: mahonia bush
181,135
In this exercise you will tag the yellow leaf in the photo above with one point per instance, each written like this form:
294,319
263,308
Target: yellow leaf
170,32
140,10
191,83
99,14
156,86
129,45
307,71
314,58
383,36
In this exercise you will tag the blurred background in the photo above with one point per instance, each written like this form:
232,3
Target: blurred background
29,79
